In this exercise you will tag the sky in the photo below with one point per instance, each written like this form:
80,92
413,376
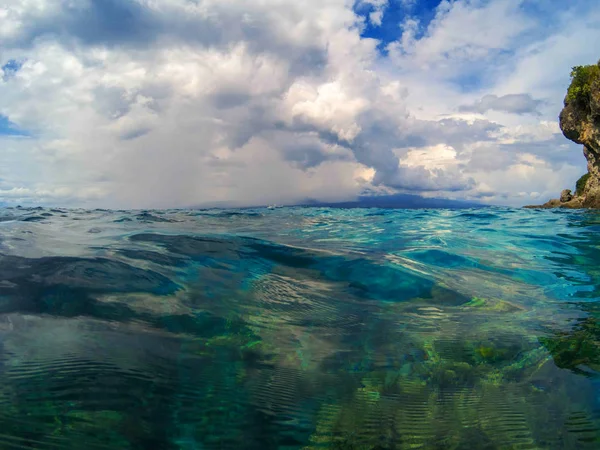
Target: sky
178,103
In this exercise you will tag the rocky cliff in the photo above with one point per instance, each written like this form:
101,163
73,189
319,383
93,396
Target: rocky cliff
580,122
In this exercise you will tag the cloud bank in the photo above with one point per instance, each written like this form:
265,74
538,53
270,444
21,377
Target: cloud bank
172,103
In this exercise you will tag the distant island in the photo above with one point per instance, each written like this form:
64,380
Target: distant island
580,122
389,201
397,201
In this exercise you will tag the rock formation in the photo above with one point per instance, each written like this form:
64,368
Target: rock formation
580,122
566,196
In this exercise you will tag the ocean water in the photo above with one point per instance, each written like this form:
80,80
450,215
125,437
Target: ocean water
299,328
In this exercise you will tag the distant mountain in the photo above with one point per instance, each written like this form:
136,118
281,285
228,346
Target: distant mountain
398,201
394,201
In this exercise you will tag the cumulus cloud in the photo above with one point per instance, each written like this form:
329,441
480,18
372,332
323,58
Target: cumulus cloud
137,103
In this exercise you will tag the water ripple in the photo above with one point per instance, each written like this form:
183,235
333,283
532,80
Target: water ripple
299,328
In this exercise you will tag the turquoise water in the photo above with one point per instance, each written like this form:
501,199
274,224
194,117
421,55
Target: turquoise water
299,328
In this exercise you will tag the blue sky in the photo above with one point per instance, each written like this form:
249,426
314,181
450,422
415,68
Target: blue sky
395,12
174,103
11,67
8,128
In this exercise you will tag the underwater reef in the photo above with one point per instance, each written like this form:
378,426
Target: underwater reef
299,328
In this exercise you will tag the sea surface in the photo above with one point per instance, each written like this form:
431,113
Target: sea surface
299,328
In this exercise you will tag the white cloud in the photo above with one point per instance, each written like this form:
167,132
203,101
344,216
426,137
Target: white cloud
376,15
435,157
139,103
461,31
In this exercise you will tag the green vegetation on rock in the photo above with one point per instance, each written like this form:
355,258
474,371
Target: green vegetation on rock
582,78
577,350
580,185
